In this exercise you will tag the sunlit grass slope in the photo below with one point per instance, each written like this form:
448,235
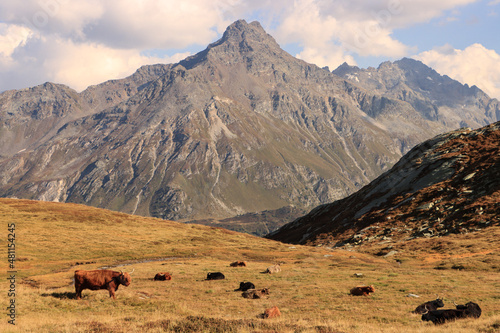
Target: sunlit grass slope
311,291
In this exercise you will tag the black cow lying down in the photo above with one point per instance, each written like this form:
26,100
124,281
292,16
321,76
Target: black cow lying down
215,276
244,286
429,306
469,310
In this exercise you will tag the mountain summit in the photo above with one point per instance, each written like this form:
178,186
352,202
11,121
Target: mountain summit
240,127
241,42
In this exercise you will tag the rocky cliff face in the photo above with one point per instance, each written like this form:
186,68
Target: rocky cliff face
435,97
447,185
239,127
30,117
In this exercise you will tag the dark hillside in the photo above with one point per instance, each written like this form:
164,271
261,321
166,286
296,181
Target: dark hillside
444,186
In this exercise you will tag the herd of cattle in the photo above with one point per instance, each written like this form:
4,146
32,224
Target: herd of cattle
111,280
429,311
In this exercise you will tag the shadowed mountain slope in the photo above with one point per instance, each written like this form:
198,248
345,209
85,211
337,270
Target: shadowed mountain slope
447,185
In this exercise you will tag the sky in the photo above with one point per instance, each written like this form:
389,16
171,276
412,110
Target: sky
81,43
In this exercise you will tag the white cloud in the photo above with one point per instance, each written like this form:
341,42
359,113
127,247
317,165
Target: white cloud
475,65
40,59
317,36
79,43
95,40
414,12
96,63
46,17
11,37
122,23
330,32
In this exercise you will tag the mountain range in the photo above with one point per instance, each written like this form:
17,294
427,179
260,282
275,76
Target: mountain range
241,127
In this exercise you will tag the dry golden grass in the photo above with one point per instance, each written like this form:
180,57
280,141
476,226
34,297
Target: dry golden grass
311,291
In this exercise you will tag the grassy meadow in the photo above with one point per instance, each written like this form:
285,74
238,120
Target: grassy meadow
312,290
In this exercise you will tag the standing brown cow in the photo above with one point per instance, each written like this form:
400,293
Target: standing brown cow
100,279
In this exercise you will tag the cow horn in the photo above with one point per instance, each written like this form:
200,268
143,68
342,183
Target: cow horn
426,310
455,303
132,271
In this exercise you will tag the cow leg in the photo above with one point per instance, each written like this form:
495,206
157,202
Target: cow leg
112,293
78,292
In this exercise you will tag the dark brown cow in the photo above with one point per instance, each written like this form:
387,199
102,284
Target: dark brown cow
238,264
100,279
362,290
255,293
162,276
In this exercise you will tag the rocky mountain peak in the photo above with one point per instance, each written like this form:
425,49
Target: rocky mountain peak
241,41
241,30
345,68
